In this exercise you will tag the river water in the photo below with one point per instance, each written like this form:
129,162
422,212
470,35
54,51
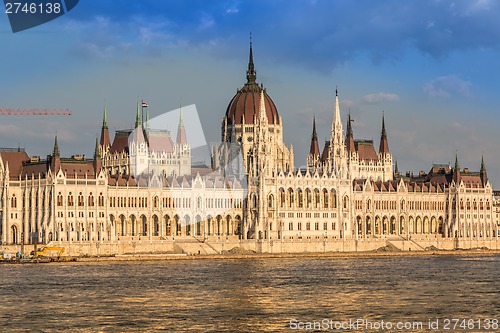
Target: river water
254,295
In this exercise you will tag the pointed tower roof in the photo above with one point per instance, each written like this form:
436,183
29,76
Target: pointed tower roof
314,150
97,155
56,151
105,141
456,170
336,117
482,172
138,116
384,145
251,73
181,131
349,136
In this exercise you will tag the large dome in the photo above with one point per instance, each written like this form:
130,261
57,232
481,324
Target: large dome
246,102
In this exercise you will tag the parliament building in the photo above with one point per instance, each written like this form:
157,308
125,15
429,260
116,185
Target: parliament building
141,188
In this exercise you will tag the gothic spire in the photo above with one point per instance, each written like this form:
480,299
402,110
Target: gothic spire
349,134
181,131
251,73
56,148
314,150
105,141
456,170
96,150
104,117
138,116
482,172
384,145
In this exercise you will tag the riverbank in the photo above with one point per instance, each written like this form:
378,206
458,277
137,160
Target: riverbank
229,256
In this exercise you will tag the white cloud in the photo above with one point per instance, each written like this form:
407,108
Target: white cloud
447,86
380,98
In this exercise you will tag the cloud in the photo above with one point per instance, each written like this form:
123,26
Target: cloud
447,86
380,97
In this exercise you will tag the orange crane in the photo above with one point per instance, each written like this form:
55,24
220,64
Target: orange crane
34,112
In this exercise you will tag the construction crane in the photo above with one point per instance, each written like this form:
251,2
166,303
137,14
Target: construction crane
34,112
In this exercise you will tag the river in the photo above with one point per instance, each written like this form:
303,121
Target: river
254,295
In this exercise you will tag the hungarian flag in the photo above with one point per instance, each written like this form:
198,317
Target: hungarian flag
144,104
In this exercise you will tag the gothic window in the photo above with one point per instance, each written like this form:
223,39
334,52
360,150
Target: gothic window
270,201
325,198
282,198
13,201
70,199
290,197
308,198
345,202
80,199
300,198
333,198
316,198
91,200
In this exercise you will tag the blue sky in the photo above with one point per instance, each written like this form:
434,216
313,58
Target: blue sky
432,67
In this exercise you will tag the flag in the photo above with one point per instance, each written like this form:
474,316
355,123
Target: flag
144,104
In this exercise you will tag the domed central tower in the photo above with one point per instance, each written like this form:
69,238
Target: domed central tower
252,120
244,107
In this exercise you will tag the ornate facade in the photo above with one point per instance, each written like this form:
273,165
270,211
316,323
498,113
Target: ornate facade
142,186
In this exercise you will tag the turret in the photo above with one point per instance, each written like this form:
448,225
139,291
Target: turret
482,173
55,161
105,141
349,137
181,131
97,159
456,171
384,145
314,150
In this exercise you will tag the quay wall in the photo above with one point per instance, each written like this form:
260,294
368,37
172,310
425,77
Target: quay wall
235,246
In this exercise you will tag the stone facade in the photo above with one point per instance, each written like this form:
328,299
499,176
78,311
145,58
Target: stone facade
142,190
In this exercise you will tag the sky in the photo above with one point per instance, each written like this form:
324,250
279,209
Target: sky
431,67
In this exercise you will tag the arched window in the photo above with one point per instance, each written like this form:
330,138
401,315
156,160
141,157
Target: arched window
13,201
101,200
70,199
282,198
325,198
270,201
80,199
91,200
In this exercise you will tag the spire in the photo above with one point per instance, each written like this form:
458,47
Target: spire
96,150
138,116
97,159
56,152
55,160
349,135
262,108
456,170
384,145
104,120
482,172
251,73
181,131
314,150
105,141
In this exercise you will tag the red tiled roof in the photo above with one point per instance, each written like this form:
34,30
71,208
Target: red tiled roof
15,160
365,150
160,141
120,142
